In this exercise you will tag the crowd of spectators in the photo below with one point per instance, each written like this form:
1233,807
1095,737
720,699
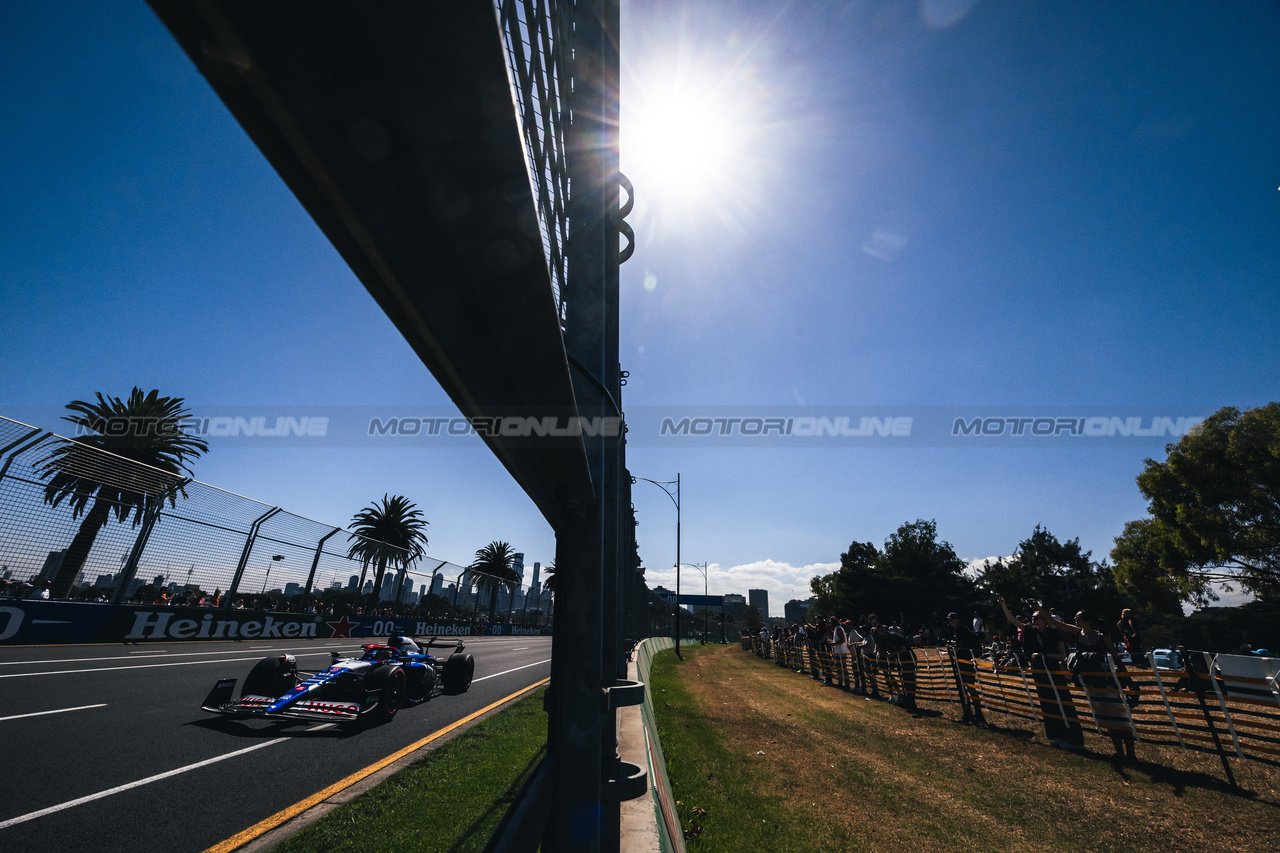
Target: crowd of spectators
861,655
148,594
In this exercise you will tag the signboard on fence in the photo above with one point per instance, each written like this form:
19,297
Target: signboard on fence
694,600
33,623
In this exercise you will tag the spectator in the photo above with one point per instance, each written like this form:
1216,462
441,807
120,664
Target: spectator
801,641
894,651
1127,628
978,626
1105,698
839,639
867,652
1048,652
40,590
813,637
967,646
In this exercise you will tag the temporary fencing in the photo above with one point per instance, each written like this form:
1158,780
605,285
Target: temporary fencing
180,537
1225,704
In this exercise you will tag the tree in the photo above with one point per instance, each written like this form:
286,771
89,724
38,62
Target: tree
922,575
914,575
1057,573
493,568
825,602
1215,511
856,586
1152,569
143,429
386,534
549,577
752,618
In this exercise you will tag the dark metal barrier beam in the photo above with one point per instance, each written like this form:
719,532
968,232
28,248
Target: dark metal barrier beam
395,126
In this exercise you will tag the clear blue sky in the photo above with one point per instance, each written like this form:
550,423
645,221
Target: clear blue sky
911,205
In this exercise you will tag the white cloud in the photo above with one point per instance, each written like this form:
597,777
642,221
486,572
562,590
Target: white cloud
975,565
783,581
884,245
1229,595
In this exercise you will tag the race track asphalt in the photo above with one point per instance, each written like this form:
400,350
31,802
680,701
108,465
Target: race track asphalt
78,721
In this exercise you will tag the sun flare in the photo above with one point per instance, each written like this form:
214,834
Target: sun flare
691,143
682,142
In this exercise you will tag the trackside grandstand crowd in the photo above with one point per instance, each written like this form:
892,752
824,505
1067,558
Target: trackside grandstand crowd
1069,675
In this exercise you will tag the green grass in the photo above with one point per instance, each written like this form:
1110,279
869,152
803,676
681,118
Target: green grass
725,801
761,758
450,800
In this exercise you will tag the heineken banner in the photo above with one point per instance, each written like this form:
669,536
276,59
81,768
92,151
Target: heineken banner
33,622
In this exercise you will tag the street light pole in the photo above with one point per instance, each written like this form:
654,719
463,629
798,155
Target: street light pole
706,611
675,499
275,559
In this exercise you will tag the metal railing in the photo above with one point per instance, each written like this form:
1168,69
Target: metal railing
183,540
536,37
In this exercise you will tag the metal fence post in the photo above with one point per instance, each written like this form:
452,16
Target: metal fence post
21,446
151,516
244,556
315,562
1164,697
1210,662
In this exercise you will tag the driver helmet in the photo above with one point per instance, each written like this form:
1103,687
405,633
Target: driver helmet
404,644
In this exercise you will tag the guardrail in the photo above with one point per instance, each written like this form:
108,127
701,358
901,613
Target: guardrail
37,623
1224,704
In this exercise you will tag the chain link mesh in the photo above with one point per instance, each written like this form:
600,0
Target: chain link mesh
204,541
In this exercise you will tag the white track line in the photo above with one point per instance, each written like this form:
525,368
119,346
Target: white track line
145,666
504,672
58,711
13,821
160,653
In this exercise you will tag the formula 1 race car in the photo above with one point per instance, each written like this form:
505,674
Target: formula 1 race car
372,686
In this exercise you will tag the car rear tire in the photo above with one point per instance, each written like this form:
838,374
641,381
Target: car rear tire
271,677
386,687
458,672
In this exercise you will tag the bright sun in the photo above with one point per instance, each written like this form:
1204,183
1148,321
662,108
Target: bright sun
682,141
690,145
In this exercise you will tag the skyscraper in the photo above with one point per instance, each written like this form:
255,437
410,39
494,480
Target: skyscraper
759,599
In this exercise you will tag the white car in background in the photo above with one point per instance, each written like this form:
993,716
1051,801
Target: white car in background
1248,675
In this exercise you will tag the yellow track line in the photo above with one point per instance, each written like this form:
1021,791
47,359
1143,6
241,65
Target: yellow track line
265,826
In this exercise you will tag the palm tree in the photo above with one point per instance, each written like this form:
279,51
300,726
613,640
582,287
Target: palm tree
144,429
549,582
493,571
390,534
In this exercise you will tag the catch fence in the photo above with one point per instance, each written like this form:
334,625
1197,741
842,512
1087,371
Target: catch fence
173,539
1225,704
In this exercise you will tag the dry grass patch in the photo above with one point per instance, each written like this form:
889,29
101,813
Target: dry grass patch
846,773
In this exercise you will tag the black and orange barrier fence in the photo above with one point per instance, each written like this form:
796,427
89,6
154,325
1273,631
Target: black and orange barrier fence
1225,704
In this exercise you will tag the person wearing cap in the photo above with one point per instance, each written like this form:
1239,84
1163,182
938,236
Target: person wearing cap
967,646
1048,651
899,665
1104,686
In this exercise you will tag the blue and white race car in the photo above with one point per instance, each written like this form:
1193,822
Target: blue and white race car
372,686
